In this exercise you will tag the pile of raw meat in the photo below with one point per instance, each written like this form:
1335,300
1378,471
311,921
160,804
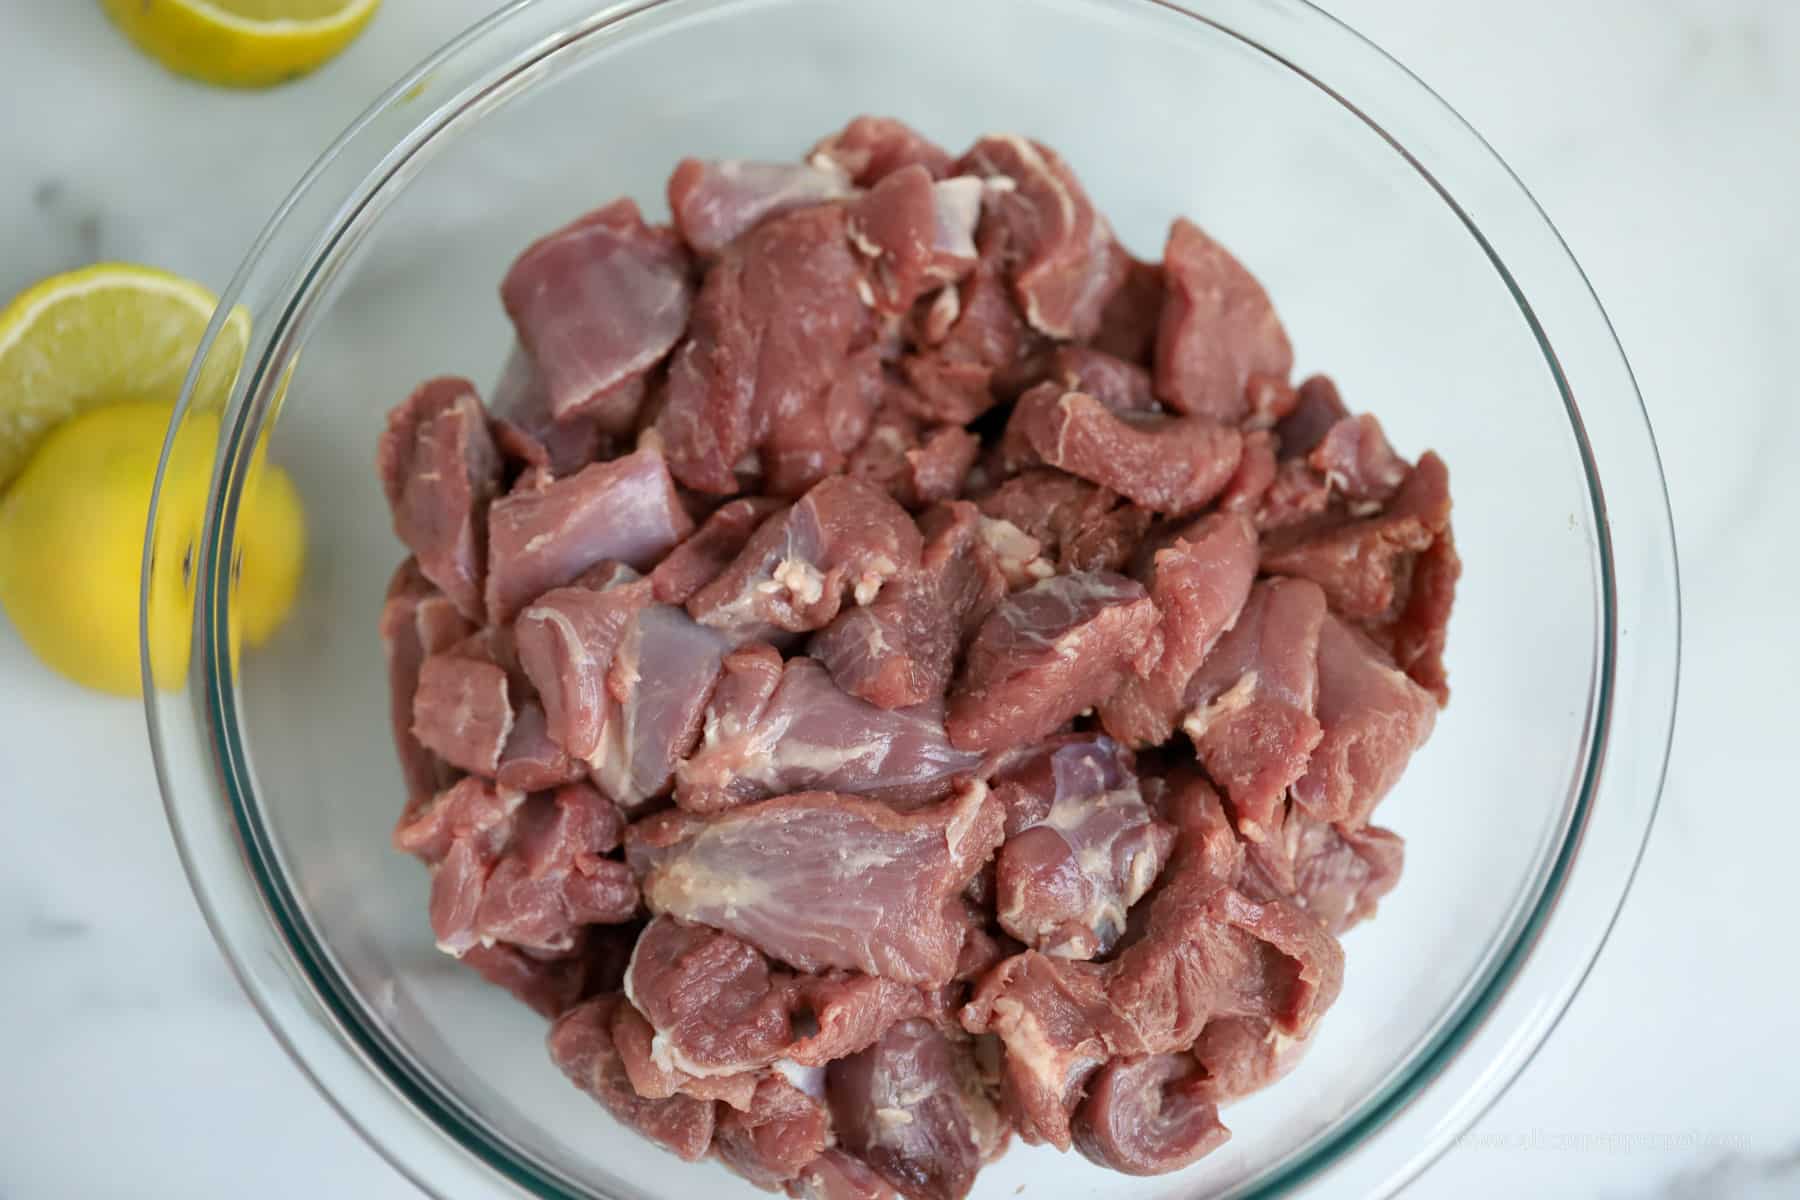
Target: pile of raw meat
888,672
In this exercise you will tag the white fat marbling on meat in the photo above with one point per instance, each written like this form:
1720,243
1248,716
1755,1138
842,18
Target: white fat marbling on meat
684,886
945,307
1029,1046
970,798
889,437
956,209
853,863
803,581
1064,404
1063,199
862,241
870,582
1018,554
1233,699
810,1080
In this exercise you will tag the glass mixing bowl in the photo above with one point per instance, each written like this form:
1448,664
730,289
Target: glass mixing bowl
1405,259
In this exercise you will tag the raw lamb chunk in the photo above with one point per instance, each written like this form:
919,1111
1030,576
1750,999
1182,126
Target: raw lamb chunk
1373,718
715,203
439,469
548,986
1058,249
914,461
1148,1116
1203,951
1029,783
1218,329
1199,583
1252,701
915,233
1294,496
532,762
566,640
597,305
545,533
525,872
1317,408
937,468
461,712
894,432
1357,462
654,1077
1057,1026
417,621
774,327
715,1013
1241,1055
1169,465
1361,563
1206,950
1065,882
849,1011
835,1175
1416,638
1128,324
1017,555
471,810
715,1006
493,645
704,556
1047,653
900,651
771,1142
1335,874
843,540
581,1043
869,149
771,731
970,333
820,880
899,1108
550,881
1270,399
1255,475
1121,385
527,432
584,649
1081,525
659,684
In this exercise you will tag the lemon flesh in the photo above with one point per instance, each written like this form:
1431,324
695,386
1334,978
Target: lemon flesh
242,43
103,335
72,536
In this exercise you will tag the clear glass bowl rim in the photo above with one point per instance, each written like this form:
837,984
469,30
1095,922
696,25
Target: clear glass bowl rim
216,822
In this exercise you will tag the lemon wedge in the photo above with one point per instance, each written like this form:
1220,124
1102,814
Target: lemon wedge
104,335
242,43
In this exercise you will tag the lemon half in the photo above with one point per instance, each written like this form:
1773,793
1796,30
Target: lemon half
72,538
242,43
91,364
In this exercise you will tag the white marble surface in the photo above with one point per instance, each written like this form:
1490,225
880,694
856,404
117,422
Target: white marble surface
1661,137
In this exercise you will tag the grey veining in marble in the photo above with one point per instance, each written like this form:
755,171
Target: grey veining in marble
1661,138
1743,1176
